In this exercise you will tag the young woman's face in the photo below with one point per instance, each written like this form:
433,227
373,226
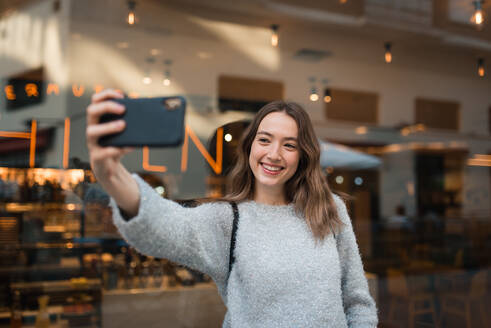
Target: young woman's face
274,152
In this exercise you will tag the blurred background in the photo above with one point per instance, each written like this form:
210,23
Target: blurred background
399,94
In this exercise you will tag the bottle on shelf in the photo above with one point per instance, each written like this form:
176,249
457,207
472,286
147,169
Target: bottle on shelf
16,311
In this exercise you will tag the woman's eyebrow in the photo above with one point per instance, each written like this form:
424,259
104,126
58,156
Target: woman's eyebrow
270,135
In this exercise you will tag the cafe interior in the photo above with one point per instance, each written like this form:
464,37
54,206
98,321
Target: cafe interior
399,93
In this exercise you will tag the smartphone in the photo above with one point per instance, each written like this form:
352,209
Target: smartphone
152,122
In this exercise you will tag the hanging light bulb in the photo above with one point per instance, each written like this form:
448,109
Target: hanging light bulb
146,78
327,92
313,94
478,16
274,35
313,90
166,80
327,96
480,67
131,19
388,52
343,1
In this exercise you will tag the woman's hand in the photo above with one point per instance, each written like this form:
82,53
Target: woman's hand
104,160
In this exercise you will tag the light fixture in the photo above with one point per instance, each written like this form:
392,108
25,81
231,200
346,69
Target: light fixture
480,67
166,80
339,179
478,16
131,19
146,78
327,92
274,35
343,1
313,94
388,52
228,137
313,90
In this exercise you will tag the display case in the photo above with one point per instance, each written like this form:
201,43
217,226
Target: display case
60,253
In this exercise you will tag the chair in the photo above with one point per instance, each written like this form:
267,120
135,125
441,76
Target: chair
417,302
459,302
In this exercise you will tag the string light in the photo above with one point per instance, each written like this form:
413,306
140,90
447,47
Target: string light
274,35
388,52
478,16
480,67
131,19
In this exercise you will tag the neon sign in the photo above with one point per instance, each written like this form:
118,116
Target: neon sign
215,164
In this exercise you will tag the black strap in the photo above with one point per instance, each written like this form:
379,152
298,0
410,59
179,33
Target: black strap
232,239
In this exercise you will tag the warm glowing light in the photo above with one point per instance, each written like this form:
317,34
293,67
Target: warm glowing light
9,92
480,67
98,88
145,163
274,40
78,90
53,88
215,165
361,130
478,16
133,95
31,90
339,179
147,80
66,143
343,1
388,52
388,57
228,137
32,150
274,37
405,131
327,99
166,82
314,97
131,18
8,134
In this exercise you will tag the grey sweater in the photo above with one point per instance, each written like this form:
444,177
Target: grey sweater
280,277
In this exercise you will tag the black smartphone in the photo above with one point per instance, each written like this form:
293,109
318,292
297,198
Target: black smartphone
152,122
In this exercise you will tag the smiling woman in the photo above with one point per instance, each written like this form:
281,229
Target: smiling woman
274,157
294,254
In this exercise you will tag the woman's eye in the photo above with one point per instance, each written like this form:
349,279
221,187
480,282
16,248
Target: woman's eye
263,140
290,146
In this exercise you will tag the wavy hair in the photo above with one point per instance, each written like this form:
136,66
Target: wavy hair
307,189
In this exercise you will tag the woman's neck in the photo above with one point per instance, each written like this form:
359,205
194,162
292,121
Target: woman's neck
270,197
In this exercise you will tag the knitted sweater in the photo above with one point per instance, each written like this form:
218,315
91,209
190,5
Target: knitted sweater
280,277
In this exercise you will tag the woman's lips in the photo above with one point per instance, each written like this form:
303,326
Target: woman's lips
271,169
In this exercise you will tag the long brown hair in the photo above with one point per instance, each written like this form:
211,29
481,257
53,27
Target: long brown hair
307,189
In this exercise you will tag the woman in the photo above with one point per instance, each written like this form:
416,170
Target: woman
296,259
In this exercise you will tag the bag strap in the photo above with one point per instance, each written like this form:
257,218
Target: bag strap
234,233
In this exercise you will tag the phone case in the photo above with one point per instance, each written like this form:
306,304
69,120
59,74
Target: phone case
152,122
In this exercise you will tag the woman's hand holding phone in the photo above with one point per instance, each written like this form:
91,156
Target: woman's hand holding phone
106,161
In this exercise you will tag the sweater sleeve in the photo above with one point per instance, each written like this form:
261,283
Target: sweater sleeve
359,306
195,237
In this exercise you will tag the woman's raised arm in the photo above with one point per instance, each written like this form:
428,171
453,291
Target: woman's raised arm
105,161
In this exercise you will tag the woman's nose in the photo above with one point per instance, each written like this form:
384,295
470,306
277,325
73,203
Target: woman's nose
274,152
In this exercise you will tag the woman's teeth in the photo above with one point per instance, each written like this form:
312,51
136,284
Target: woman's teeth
272,168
